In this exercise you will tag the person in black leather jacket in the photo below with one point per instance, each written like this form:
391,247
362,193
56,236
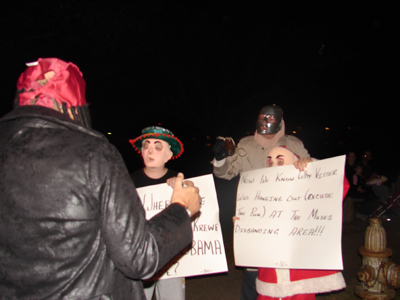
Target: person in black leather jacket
71,223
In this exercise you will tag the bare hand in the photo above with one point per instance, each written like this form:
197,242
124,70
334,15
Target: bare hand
302,163
188,196
234,218
171,181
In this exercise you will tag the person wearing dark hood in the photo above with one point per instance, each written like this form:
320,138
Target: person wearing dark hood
252,153
71,223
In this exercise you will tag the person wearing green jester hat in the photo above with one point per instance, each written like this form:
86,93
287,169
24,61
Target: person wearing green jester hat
157,146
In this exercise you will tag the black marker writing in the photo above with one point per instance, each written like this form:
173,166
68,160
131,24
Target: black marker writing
173,268
292,198
275,214
256,213
304,175
317,231
244,179
320,174
242,197
204,227
263,179
267,198
206,247
315,216
239,229
312,196
295,216
280,178
154,205
241,212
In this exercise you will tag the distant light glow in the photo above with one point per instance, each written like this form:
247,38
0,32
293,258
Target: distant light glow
294,131
326,128
109,133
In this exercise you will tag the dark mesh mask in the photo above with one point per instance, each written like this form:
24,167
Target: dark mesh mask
270,119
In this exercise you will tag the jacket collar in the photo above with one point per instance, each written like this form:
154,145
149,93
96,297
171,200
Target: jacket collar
49,117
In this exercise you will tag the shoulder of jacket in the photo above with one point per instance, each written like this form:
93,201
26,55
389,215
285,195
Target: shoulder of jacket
292,138
246,140
42,116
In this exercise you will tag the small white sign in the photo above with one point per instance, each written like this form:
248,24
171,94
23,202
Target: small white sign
207,255
291,219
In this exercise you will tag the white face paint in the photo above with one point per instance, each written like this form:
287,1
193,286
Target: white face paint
155,153
279,156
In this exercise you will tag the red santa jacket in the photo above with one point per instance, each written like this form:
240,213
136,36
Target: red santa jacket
288,282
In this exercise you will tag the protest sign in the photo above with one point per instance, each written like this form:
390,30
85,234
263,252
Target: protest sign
207,254
291,219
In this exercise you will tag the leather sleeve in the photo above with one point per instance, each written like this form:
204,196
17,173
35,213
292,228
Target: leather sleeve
137,247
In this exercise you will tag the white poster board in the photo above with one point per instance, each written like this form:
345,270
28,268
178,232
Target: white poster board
291,219
207,255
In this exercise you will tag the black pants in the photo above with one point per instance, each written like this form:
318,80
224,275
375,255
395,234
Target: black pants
249,285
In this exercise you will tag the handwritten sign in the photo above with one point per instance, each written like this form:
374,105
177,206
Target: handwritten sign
290,219
207,254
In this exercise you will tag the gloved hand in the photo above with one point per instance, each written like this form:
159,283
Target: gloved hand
223,148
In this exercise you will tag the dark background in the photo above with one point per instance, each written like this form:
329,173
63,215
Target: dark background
205,68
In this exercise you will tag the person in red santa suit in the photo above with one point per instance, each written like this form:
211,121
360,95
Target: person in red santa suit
295,284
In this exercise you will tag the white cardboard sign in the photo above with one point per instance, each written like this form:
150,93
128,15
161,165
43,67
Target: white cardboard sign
291,219
207,255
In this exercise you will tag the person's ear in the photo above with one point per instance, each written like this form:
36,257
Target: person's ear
168,155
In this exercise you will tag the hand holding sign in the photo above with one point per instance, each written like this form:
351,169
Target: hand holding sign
302,163
187,196
297,212
207,254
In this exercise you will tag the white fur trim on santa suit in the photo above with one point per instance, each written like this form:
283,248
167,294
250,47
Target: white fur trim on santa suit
284,287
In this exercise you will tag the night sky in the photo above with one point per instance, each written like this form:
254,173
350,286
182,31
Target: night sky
205,68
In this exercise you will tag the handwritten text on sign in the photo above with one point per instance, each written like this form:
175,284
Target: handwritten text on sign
290,219
207,254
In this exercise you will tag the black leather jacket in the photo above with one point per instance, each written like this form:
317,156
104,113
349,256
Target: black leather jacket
71,223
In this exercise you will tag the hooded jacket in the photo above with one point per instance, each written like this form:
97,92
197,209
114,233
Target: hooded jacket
250,155
71,223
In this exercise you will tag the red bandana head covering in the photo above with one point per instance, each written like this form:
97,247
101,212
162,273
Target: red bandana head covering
67,85
283,146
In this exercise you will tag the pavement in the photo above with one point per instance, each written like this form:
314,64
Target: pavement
227,285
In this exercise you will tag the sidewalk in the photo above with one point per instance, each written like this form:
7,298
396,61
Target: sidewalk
227,286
